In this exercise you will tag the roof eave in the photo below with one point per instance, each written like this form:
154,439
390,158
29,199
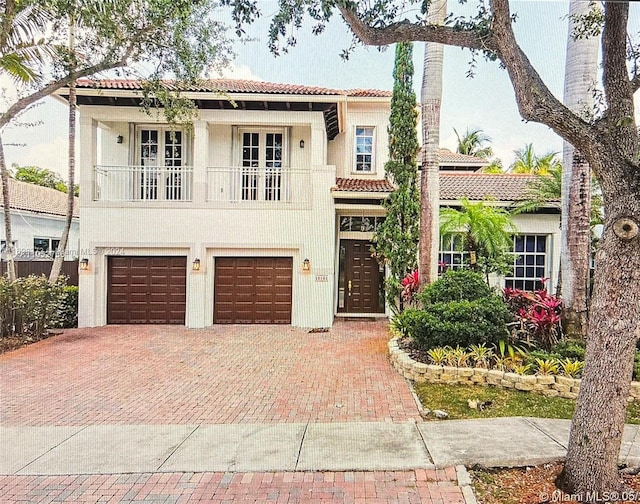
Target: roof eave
342,194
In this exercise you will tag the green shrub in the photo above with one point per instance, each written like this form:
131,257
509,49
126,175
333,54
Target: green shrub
458,323
458,285
533,356
570,349
636,366
30,305
68,316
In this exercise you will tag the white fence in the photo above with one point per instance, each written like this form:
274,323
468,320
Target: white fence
246,184
143,183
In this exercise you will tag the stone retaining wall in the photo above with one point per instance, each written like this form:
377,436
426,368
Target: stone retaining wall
548,385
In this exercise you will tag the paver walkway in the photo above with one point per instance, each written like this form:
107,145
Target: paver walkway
223,374
400,487
129,377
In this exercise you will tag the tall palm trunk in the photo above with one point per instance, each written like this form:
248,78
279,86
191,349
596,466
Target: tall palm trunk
56,267
431,98
6,201
580,76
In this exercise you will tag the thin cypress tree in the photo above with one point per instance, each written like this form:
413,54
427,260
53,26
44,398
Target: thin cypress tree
396,239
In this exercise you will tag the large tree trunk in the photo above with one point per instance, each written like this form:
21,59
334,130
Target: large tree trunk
431,98
56,268
614,329
580,77
6,200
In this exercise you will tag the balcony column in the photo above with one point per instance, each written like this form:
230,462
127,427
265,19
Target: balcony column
87,307
200,160
88,158
318,145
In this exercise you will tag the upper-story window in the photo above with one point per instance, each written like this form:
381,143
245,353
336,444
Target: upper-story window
262,159
364,156
163,152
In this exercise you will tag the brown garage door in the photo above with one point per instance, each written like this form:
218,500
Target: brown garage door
146,290
253,290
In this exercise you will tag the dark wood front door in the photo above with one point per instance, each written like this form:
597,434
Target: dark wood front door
253,290
361,281
146,290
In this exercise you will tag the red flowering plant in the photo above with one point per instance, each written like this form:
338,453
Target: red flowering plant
538,315
410,284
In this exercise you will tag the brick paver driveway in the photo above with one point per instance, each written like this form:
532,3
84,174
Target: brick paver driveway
224,374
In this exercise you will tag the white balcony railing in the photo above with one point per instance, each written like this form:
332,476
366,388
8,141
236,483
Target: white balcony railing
248,184
143,183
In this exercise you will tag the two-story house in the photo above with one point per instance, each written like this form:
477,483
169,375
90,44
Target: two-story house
262,212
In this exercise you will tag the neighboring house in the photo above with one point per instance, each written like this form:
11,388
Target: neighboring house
37,221
262,212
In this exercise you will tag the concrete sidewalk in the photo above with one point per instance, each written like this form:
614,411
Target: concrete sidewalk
348,446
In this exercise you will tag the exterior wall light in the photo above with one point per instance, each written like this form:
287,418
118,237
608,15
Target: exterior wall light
84,264
196,265
306,265
119,139
302,144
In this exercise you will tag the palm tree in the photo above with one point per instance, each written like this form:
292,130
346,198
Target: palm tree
494,167
56,267
577,208
541,191
528,162
488,233
21,53
472,143
431,98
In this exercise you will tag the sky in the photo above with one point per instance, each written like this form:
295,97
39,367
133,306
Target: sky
484,102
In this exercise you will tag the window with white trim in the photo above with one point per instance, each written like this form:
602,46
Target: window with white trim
45,245
364,155
162,156
452,254
262,156
529,262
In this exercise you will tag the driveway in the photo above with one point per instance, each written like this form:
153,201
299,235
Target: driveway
224,374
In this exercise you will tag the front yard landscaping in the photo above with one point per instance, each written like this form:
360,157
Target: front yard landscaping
476,401
32,309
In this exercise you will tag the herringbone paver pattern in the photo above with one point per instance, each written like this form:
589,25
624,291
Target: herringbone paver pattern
223,374
402,487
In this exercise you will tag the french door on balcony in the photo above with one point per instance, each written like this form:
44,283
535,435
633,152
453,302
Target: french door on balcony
161,156
262,160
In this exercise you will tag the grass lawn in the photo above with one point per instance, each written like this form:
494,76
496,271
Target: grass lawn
504,402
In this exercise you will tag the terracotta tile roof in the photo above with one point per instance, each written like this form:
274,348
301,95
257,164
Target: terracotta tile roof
362,185
446,156
476,186
38,199
236,86
454,186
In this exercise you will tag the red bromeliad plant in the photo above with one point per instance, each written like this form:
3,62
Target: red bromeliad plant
410,285
538,313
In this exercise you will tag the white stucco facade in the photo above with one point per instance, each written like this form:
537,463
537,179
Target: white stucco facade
215,212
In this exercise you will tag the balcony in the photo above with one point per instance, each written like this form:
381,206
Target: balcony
143,183
246,185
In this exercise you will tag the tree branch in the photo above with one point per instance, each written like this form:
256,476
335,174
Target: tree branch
534,99
406,31
52,87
